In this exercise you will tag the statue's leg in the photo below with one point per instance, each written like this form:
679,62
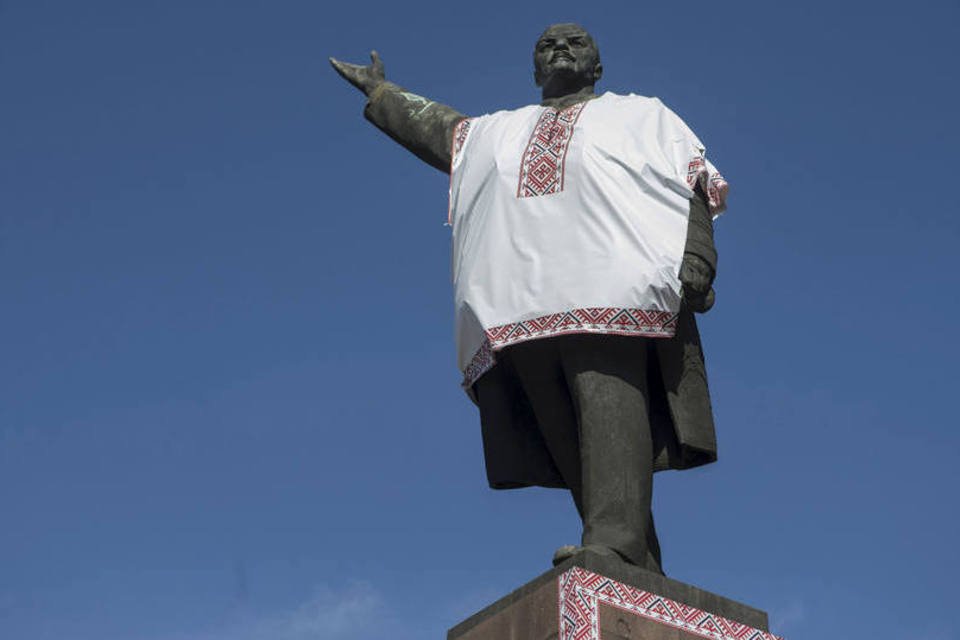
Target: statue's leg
606,376
590,398
539,372
515,452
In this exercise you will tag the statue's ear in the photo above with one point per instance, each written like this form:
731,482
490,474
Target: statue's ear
537,78
597,72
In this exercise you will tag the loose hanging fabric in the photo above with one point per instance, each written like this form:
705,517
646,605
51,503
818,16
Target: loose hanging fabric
571,221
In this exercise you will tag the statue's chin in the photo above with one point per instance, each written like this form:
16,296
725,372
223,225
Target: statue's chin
565,77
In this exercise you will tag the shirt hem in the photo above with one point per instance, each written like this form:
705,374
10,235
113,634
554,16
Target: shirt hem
601,321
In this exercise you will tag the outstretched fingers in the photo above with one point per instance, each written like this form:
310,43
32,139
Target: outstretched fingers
343,68
376,66
363,77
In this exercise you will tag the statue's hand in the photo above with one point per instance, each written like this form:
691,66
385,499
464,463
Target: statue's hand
697,278
366,78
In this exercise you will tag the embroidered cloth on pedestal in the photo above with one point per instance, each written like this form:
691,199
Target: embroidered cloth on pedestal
571,221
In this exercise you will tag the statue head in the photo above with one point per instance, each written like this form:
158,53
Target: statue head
566,59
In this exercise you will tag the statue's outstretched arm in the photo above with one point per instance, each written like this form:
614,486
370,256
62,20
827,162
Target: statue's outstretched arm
422,126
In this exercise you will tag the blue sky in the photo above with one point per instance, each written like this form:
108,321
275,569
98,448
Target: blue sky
229,406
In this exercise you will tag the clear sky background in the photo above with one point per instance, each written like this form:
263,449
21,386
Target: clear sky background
229,407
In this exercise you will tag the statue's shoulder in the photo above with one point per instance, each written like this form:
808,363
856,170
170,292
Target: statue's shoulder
505,114
634,101
648,109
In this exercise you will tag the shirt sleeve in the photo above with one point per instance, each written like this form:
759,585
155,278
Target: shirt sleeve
690,160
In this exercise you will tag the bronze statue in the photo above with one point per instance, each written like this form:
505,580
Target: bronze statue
596,413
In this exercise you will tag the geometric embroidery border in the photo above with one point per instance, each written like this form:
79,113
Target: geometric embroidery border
595,320
460,132
481,362
581,593
714,185
542,166
587,320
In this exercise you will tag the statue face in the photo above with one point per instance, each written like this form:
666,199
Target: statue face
566,50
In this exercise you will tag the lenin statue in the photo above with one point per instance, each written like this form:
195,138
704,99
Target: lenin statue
582,247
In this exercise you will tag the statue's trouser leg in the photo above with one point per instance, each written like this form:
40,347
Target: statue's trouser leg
540,373
608,384
594,389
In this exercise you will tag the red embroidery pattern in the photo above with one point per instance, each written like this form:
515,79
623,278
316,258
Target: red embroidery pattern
602,320
460,133
713,185
592,320
482,361
581,593
542,166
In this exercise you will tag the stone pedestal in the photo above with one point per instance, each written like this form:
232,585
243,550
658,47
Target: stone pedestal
595,597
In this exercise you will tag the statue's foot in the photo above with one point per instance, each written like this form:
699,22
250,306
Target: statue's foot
568,551
564,553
